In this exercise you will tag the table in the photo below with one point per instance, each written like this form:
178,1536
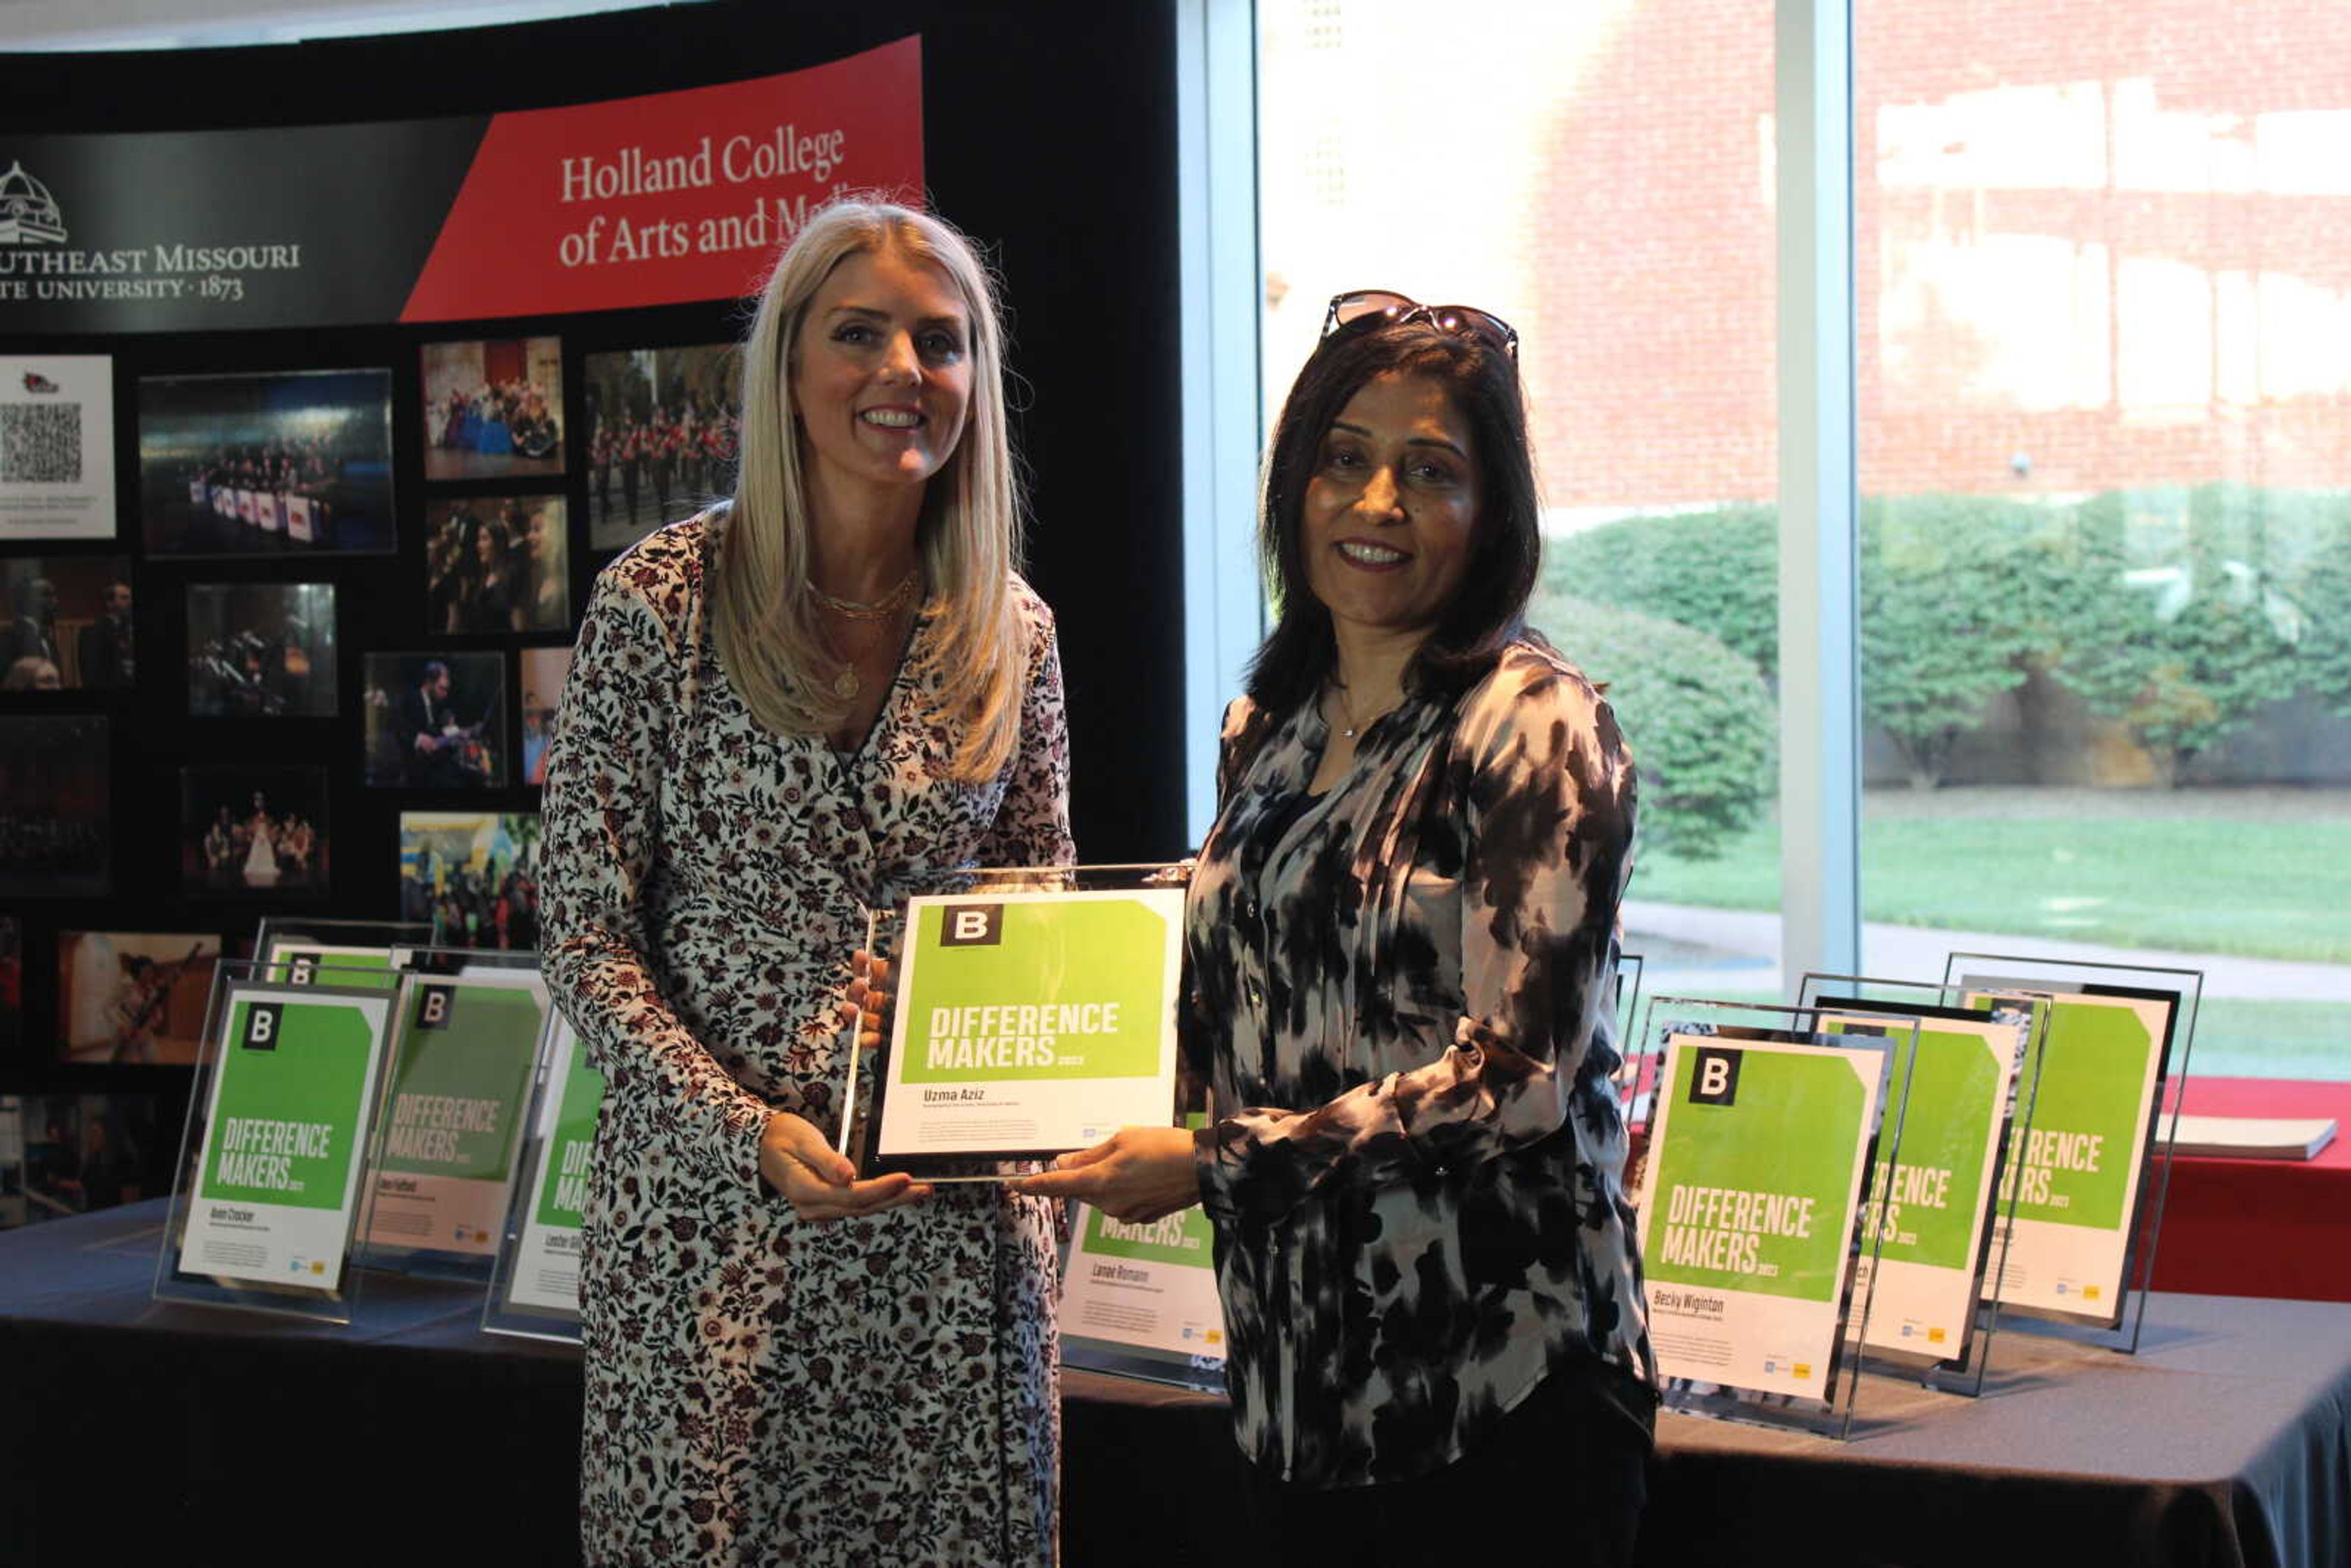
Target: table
409,1435
2261,1228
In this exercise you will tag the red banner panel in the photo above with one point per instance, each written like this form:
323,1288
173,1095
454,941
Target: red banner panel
671,197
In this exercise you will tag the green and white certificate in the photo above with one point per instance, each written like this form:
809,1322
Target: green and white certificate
1031,1023
279,1170
1749,1204
2076,1180
460,1080
545,1273
1930,1203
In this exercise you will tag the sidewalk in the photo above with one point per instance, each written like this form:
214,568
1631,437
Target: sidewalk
1687,949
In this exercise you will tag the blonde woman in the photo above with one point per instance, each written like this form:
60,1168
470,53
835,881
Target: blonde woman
779,714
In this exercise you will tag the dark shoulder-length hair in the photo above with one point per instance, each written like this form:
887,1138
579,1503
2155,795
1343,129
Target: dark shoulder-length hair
1488,609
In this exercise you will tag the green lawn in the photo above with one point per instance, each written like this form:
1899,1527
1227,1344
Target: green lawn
2198,881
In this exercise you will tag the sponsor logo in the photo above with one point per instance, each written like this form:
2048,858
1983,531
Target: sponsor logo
37,382
29,213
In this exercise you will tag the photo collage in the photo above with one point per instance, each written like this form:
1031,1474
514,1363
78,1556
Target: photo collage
354,582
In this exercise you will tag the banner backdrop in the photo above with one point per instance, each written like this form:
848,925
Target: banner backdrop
657,200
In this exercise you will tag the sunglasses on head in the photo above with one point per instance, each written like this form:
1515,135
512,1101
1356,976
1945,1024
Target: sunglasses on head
1368,309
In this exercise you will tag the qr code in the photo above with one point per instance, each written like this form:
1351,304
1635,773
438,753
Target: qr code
40,443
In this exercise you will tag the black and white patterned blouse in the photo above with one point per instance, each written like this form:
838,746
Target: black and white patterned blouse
1402,984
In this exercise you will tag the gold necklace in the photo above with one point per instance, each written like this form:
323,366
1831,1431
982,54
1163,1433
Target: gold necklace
846,686
881,609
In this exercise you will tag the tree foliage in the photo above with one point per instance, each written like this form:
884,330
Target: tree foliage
1696,714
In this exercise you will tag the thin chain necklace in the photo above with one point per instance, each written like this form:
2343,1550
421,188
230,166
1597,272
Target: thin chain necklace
882,609
846,686
1353,725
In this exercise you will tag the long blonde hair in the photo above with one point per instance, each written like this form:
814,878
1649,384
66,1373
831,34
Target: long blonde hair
968,539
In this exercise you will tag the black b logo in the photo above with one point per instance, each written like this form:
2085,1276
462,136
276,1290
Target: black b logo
261,1026
971,926
433,1006
1714,1077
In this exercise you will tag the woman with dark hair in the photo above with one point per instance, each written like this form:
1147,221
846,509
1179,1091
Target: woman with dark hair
1403,938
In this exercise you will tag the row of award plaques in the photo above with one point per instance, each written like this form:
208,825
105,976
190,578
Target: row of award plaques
1886,1173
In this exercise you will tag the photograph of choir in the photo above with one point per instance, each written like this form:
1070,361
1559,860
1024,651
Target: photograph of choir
261,650
435,721
498,563
662,430
68,623
54,834
259,831
493,409
293,462
473,875
133,997
539,674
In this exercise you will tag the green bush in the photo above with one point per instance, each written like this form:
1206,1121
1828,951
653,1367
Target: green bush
1696,714
1718,570
2173,620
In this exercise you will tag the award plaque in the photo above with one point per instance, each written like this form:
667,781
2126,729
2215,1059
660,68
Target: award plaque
1031,1012
534,1290
285,1102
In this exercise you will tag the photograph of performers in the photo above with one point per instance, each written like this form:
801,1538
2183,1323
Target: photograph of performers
68,626
493,409
663,428
251,830
56,836
294,463
435,721
539,674
132,996
498,563
89,1152
261,650
473,875
1403,939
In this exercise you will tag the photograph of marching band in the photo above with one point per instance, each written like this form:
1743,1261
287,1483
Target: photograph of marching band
54,834
133,997
498,563
539,674
473,874
261,650
253,830
68,626
662,431
493,409
290,461
435,721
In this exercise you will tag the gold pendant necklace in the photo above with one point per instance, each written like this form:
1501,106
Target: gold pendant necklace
846,686
1352,726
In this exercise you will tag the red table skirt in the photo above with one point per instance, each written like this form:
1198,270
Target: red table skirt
2261,1228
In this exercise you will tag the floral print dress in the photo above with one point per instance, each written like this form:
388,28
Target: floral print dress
760,1390
1401,990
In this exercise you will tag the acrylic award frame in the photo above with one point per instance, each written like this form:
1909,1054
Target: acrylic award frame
866,1097
246,981
1831,1415
339,944
1964,1372
2142,1225
421,969
523,1301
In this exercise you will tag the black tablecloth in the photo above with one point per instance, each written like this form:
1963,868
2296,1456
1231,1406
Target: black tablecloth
134,1427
